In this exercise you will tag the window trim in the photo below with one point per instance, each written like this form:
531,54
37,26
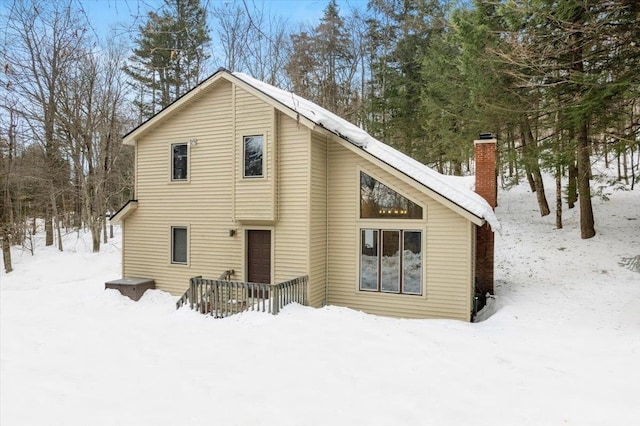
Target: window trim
422,261
401,263
172,228
263,174
171,162
360,246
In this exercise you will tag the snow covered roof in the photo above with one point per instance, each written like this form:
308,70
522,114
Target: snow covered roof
447,186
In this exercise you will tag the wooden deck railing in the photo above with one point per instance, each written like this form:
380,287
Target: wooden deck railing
189,295
222,297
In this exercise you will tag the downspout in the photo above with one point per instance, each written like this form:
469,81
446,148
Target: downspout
326,220
234,169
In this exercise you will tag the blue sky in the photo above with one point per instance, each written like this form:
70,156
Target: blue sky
107,14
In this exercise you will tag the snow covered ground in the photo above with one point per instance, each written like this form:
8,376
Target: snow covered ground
563,347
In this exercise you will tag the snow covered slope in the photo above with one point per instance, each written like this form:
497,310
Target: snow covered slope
562,348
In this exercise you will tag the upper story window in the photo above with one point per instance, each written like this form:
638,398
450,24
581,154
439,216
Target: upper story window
179,161
253,156
379,201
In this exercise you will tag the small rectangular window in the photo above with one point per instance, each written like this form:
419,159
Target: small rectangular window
390,262
369,260
178,245
179,161
253,156
412,262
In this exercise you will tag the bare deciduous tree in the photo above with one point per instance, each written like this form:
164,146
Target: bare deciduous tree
43,41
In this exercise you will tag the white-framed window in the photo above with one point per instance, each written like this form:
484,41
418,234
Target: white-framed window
179,245
179,162
391,261
253,155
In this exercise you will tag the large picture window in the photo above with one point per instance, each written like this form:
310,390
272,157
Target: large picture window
253,156
379,201
179,161
391,261
179,244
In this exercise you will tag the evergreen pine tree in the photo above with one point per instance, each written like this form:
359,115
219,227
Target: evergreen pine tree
170,54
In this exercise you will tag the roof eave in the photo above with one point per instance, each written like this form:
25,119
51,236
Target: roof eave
124,211
452,205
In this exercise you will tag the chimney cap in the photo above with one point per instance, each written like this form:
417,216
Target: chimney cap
483,136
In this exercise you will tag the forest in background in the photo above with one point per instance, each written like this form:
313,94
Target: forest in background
558,83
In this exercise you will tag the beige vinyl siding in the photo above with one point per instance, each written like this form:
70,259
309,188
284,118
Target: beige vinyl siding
318,224
309,199
446,246
203,204
254,197
291,232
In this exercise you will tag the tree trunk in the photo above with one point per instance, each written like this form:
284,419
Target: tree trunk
6,210
526,158
558,148
511,153
572,185
6,227
77,215
532,183
48,228
56,218
540,194
457,167
6,249
558,196
95,236
633,168
625,167
533,174
587,229
59,232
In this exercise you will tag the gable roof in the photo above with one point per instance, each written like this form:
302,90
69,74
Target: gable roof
314,114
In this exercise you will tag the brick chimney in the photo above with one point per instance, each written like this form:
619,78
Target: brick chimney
487,187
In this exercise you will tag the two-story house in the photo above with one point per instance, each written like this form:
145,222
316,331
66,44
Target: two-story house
237,174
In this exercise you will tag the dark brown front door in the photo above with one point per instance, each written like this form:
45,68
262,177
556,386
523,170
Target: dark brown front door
259,256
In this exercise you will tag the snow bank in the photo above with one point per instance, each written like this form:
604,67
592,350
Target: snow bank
563,346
